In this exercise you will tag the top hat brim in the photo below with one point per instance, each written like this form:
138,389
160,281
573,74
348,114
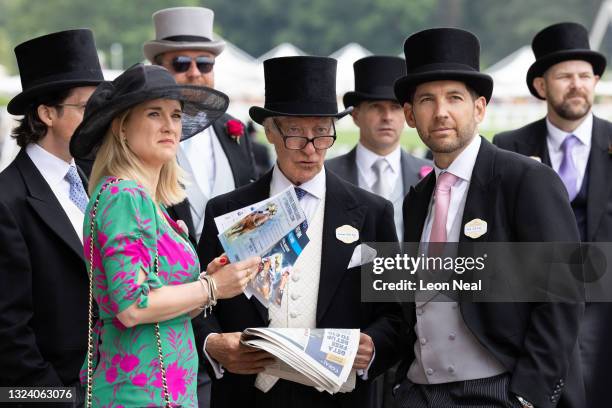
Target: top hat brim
151,49
354,98
201,107
481,83
20,102
539,67
259,114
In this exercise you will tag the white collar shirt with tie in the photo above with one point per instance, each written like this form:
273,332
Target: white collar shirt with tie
462,167
365,161
54,170
580,152
315,188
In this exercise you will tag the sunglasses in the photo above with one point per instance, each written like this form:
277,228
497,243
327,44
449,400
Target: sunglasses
182,64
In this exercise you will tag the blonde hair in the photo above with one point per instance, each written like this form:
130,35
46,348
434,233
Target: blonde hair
114,158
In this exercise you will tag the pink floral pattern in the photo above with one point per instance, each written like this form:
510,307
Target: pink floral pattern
129,230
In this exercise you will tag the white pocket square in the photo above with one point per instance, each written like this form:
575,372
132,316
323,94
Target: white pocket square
362,254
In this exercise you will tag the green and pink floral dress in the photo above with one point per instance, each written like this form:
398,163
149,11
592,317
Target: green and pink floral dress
129,230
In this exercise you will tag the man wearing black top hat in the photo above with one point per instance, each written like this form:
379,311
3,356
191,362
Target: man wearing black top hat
378,163
220,158
43,301
466,353
324,285
575,143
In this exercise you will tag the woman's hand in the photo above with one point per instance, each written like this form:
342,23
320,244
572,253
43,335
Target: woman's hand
231,279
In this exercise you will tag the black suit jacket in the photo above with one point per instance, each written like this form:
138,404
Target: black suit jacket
530,140
522,201
241,161
339,304
43,303
346,167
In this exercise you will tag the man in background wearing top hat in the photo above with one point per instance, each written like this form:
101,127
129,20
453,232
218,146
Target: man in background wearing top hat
469,354
219,159
324,285
575,143
378,163
43,301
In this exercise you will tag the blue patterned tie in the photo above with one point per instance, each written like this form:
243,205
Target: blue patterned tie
300,193
77,192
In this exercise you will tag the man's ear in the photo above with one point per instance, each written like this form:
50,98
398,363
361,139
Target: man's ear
355,115
539,84
409,115
45,115
480,107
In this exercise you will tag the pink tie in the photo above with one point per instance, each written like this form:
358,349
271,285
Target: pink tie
442,198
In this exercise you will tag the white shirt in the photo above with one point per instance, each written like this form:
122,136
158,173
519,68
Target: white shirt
366,158
315,188
462,167
53,170
580,152
200,153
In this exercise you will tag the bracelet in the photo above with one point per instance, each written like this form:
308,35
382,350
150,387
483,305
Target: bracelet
206,288
212,292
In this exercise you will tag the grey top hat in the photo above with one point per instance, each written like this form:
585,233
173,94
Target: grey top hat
183,28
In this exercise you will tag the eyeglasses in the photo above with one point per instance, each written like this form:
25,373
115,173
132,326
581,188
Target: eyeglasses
79,106
293,140
182,63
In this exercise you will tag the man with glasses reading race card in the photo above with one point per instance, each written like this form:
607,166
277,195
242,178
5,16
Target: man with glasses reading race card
323,290
219,159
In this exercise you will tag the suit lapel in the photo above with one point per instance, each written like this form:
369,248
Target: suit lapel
410,170
600,172
478,201
416,206
238,161
535,143
45,204
341,208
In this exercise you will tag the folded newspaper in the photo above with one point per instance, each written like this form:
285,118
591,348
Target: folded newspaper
321,358
271,229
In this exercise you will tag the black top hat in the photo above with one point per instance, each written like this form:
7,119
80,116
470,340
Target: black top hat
374,79
299,86
141,83
562,42
62,60
443,54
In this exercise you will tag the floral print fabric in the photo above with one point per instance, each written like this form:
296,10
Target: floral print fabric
128,232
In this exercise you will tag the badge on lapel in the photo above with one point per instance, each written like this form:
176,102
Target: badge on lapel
475,228
536,158
347,234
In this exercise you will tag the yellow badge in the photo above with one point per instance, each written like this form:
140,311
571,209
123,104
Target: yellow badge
536,158
347,234
475,228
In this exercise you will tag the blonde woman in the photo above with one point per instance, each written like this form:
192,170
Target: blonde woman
145,274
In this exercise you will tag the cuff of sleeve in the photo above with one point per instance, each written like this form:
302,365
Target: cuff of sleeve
144,289
363,374
217,368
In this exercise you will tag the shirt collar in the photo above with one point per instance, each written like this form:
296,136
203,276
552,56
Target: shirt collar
51,167
366,158
583,132
463,165
315,186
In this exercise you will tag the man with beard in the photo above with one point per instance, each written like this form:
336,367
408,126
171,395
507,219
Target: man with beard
575,144
479,354
219,159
